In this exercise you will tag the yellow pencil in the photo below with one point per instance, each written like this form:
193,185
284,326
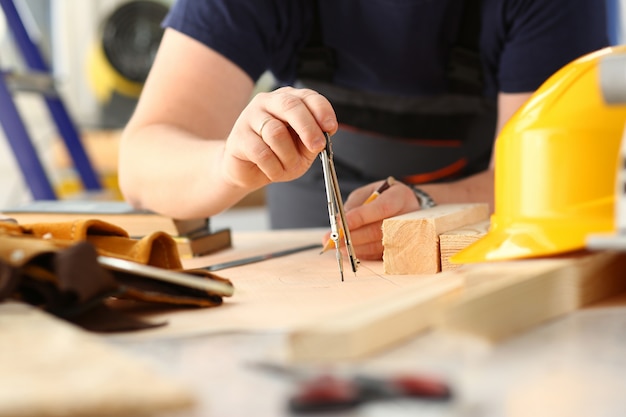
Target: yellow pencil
386,184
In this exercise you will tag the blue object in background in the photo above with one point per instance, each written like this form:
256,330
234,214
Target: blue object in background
15,130
613,13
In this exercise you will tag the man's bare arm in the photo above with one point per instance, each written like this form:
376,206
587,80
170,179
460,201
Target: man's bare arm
194,145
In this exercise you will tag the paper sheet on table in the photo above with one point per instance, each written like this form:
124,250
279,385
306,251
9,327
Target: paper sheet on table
283,293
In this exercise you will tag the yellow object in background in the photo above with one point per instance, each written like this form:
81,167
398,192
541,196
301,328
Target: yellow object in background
105,79
555,168
71,186
120,60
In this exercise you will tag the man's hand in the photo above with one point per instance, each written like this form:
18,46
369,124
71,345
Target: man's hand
277,137
365,220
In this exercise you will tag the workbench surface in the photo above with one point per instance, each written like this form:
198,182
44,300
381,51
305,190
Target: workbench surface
574,366
571,366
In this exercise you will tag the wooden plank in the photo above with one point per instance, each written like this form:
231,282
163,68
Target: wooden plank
502,300
371,327
51,368
411,241
453,241
490,300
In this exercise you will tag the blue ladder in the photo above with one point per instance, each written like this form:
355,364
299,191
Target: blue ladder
14,127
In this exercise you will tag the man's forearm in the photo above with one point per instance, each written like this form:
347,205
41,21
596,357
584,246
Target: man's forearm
170,171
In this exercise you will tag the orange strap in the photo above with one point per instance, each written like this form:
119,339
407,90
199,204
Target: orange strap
444,172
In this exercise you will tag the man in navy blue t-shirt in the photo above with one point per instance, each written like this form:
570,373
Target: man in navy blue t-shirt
417,89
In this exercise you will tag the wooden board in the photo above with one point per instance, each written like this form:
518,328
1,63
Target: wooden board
503,299
494,301
372,327
411,241
50,368
136,222
453,241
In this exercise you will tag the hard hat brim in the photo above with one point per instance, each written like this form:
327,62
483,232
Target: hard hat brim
529,240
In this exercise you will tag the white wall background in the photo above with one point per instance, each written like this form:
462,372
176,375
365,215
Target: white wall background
75,25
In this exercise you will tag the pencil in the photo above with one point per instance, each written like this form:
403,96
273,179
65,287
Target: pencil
385,185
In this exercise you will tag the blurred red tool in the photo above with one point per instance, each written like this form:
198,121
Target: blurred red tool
327,392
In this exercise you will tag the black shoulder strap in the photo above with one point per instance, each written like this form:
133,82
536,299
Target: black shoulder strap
317,61
465,72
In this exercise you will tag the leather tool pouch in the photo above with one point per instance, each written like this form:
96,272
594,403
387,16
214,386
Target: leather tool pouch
55,266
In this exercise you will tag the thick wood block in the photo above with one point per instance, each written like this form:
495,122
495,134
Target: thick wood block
411,240
453,241
501,300
203,244
373,326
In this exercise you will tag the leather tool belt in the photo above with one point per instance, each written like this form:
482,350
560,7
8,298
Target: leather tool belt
55,266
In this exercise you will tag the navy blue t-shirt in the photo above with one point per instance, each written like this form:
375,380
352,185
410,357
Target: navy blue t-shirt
398,47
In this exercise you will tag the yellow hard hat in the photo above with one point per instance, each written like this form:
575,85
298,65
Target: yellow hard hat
555,168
